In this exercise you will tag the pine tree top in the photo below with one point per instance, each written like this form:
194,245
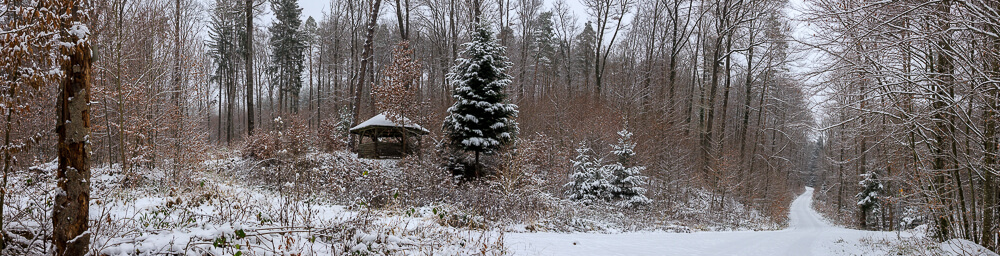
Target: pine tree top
624,149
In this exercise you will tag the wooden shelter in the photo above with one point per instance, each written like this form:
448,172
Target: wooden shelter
387,139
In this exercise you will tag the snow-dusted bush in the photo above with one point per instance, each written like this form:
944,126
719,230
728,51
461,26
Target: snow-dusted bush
525,166
424,182
333,134
288,137
589,181
620,181
331,138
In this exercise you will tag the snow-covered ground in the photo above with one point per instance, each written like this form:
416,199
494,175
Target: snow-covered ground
220,212
807,234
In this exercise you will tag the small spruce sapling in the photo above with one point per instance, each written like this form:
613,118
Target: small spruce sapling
868,198
589,182
626,176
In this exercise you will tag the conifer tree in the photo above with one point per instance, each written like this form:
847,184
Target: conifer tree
584,55
543,41
225,49
868,198
589,182
626,176
480,121
289,49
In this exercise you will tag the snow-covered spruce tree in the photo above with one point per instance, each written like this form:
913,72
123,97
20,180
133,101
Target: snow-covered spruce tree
288,44
588,182
868,198
480,121
626,176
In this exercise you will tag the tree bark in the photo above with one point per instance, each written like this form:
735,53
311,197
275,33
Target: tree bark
178,118
748,87
454,36
119,13
943,81
708,111
319,90
366,57
403,20
71,205
6,169
991,144
230,101
249,71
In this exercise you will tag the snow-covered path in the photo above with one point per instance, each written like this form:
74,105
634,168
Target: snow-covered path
808,234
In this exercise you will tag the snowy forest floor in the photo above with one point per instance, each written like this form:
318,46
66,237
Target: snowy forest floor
808,234
220,209
327,204
337,204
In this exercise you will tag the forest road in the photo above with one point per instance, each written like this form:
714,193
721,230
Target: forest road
807,234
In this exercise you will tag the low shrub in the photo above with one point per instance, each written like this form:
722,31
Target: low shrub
332,136
289,138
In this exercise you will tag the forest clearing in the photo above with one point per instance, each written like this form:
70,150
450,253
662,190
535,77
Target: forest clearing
499,127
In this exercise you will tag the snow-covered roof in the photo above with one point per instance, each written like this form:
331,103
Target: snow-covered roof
381,121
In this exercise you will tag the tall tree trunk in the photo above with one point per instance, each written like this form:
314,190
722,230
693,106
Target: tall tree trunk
454,35
672,69
597,54
648,69
218,120
726,89
319,91
403,20
312,88
119,13
178,121
249,72
943,80
6,168
477,11
366,57
992,142
230,97
840,177
863,148
708,111
676,45
600,63
748,89
689,114
761,105
70,210
522,69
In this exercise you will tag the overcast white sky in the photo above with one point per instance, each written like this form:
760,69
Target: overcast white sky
314,8
806,60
